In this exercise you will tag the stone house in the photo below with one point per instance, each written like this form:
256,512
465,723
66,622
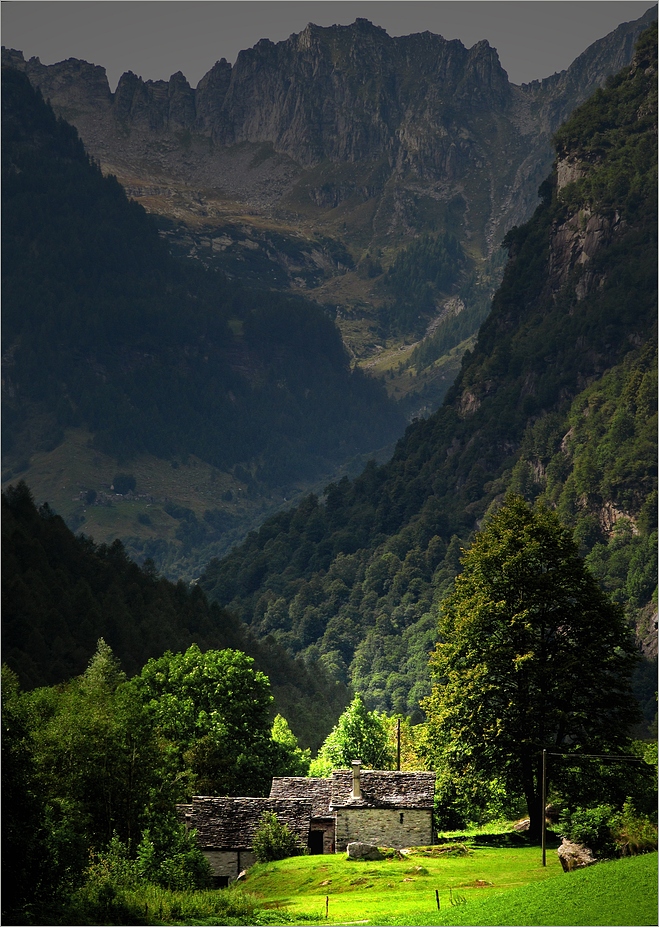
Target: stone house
375,806
392,809
226,827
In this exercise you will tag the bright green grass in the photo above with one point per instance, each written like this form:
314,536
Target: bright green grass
371,892
491,886
621,892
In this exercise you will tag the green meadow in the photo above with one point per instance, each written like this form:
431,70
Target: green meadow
478,883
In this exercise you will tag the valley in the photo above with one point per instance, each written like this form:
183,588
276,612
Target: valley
330,431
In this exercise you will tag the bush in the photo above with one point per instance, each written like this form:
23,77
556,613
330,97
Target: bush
635,832
169,857
274,840
610,833
592,827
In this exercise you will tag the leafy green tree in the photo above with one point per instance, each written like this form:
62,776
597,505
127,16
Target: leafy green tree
532,655
96,754
274,840
292,760
359,734
213,711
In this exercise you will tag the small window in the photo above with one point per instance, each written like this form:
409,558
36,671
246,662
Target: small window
402,817
220,881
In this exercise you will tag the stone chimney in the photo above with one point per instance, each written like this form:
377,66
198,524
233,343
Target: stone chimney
356,785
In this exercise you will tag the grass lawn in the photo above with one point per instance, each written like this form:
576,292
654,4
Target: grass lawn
370,892
492,884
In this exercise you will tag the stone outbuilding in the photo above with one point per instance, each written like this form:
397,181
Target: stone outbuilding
373,806
226,827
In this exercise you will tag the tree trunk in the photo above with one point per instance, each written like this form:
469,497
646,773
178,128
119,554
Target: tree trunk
532,779
534,803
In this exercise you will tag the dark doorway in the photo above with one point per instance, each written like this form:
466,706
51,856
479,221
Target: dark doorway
316,841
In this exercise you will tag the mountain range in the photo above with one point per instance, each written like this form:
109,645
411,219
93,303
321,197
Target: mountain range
119,356
557,402
373,175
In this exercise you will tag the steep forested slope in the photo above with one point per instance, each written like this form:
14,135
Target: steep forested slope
61,593
102,328
349,580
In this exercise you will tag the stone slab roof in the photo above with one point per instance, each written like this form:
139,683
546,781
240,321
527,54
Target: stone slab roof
318,791
384,789
230,823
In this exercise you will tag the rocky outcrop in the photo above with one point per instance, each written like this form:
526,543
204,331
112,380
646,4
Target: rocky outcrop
573,245
574,856
437,122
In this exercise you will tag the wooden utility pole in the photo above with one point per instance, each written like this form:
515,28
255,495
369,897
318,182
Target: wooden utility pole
544,807
398,745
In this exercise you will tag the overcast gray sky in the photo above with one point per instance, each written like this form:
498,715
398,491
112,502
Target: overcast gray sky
155,38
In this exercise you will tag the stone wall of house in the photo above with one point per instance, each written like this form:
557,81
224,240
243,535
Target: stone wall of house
228,864
383,827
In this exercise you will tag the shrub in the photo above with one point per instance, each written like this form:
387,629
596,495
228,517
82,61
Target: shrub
610,833
592,827
635,833
169,857
274,840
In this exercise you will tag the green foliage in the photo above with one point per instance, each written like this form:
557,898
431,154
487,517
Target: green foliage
592,827
213,710
635,832
418,275
612,135
119,889
274,840
168,856
359,734
62,593
611,832
293,760
532,654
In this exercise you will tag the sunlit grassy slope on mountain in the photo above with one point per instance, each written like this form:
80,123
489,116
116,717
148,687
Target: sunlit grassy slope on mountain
349,580
60,593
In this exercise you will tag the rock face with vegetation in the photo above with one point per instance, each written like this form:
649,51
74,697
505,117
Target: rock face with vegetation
557,402
107,336
416,117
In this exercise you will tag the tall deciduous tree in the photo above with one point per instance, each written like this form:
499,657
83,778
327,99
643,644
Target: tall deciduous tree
359,734
213,709
532,655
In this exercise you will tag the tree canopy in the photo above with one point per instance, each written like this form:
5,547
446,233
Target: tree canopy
532,655
214,709
359,734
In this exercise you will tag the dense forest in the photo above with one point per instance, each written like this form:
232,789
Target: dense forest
62,593
103,327
567,354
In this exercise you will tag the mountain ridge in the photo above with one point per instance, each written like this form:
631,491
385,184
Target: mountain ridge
338,94
353,579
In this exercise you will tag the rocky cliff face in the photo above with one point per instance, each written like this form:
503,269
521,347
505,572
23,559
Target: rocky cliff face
434,120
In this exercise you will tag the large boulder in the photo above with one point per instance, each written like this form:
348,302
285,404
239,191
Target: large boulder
574,856
359,850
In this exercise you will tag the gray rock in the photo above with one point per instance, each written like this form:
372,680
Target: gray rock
359,850
574,856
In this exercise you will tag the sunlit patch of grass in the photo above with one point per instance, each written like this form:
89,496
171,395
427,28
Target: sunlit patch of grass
350,890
